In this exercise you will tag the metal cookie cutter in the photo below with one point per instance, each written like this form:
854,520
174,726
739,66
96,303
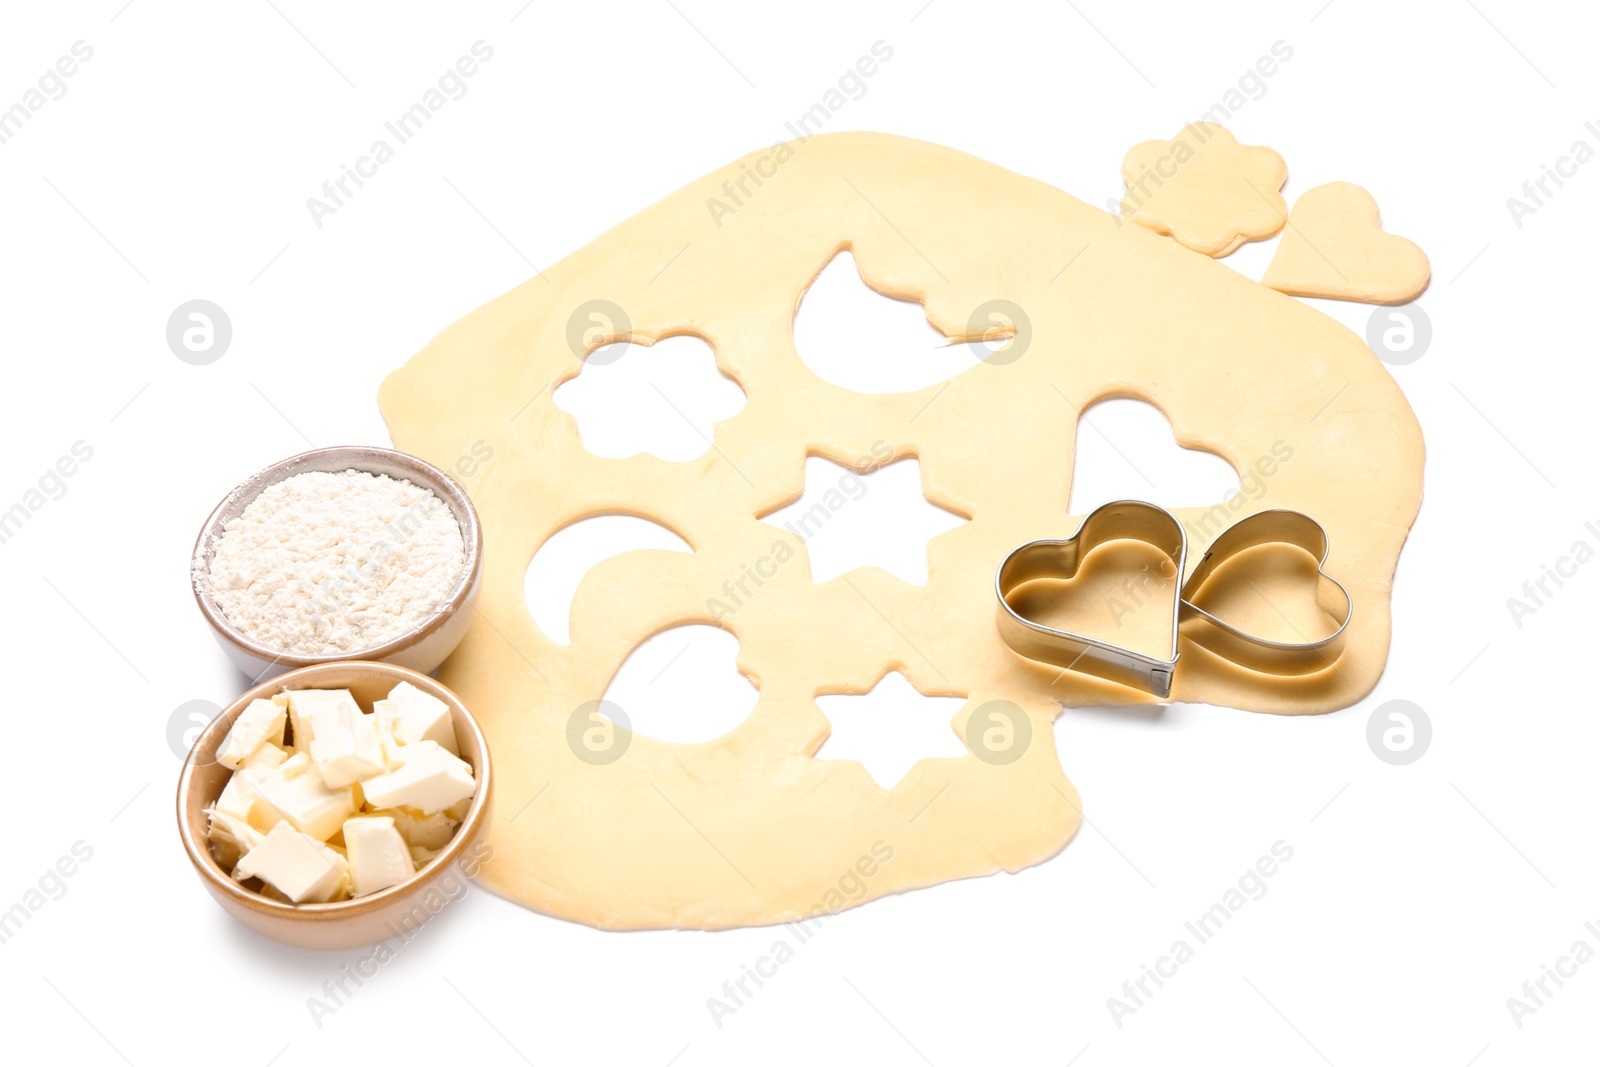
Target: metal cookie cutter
1137,520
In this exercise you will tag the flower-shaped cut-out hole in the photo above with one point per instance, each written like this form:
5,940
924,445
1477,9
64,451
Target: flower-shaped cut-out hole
664,399
881,518
890,728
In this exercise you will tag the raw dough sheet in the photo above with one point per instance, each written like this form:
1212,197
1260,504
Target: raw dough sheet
750,828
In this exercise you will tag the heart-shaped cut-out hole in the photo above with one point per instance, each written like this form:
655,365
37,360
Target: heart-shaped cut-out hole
1333,247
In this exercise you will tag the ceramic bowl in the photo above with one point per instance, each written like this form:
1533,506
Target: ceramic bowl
380,916
422,648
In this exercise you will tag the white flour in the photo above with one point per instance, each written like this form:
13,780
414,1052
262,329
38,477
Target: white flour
324,563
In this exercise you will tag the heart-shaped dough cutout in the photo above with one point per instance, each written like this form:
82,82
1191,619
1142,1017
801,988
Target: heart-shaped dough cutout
1333,247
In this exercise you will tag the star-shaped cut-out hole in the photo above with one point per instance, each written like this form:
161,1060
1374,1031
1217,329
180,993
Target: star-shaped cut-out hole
890,728
664,399
878,519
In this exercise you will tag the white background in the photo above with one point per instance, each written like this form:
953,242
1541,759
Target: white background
177,166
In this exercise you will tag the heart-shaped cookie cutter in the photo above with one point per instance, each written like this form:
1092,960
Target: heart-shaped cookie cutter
1155,525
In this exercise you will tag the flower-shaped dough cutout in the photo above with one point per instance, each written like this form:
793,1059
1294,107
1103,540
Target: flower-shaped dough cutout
1335,248
1204,189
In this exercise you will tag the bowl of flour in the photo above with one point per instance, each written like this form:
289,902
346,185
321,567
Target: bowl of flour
347,553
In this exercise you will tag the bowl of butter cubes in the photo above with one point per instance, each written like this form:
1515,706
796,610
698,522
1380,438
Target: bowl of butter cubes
337,805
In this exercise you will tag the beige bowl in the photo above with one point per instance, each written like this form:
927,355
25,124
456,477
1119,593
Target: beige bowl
422,648
366,920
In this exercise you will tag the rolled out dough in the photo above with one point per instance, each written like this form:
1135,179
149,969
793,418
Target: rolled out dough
750,828
1333,247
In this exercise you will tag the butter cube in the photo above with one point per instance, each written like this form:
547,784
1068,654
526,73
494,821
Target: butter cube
231,837
301,868
421,717
260,722
239,795
429,831
344,742
379,857
268,756
270,893
385,713
295,793
237,798
300,703
428,780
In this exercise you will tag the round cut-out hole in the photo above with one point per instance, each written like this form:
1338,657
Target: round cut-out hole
684,685
562,562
